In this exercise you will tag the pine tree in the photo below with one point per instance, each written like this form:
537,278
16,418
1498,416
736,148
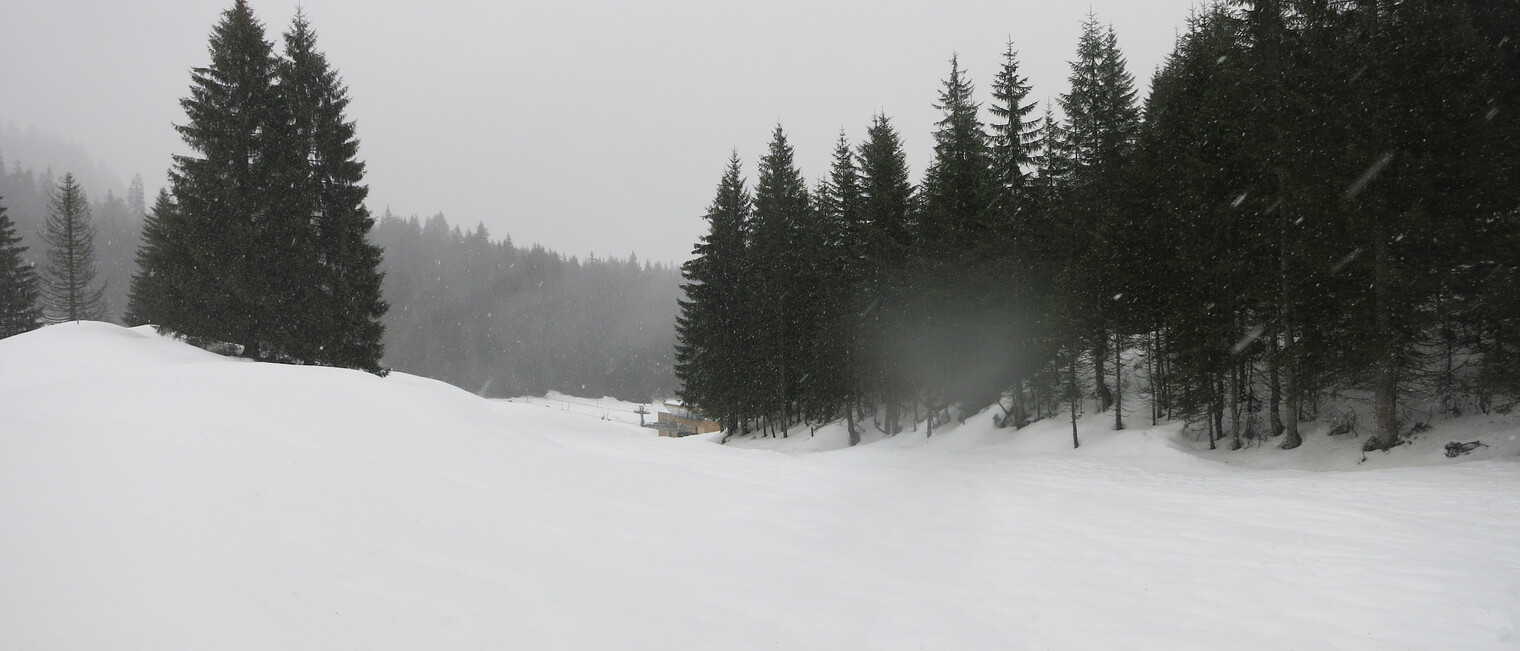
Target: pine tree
1423,182
137,202
786,291
959,190
69,291
836,348
262,241
238,232
1103,121
19,310
159,292
1014,135
1023,265
340,325
713,329
888,222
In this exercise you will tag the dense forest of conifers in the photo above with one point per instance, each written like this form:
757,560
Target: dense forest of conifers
25,194
503,320
262,247
1319,199
479,313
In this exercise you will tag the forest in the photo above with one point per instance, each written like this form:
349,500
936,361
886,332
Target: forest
1317,205
480,313
503,320
263,247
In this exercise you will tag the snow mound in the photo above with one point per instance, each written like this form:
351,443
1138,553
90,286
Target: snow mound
155,496
70,351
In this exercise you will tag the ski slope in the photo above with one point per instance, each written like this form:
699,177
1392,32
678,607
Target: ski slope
154,496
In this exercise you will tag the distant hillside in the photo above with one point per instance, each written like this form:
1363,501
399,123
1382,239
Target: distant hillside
30,166
501,320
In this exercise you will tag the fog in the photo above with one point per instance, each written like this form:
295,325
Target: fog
589,126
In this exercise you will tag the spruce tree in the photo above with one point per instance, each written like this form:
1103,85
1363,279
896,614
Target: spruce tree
786,291
1014,135
1023,265
161,291
137,201
959,190
239,231
1103,121
262,240
888,221
713,328
19,309
340,324
69,288
836,348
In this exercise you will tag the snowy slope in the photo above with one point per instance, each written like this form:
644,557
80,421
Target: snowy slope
156,497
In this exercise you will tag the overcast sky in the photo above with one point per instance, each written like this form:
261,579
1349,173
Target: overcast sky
589,126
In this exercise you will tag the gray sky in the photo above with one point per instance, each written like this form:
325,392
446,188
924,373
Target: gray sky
584,125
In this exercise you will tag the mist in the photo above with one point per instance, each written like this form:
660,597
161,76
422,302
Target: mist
589,127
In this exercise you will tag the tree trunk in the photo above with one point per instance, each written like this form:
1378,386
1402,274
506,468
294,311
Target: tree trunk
1118,382
849,423
1235,391
1218,409
1150,377
1274,397
1385,379
1164,409
1071,395
1215,415
1100,373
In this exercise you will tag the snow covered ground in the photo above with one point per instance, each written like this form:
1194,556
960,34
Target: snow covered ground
153,496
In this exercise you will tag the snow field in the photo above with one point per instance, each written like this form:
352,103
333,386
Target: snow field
155,496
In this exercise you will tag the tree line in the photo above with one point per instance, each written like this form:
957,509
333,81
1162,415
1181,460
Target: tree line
69,286
262,246
114,222
503,320
1318,198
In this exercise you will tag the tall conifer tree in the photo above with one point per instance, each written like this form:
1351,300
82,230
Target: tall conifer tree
713,327
341,321
959,190
888,220
1103,121
236,217
785,290
69,288
19,309
262,241
160,290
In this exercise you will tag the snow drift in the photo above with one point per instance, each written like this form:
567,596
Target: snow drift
156,496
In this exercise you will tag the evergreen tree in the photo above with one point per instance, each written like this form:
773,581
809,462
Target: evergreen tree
1103,121
713,329
783,240
262,242
238,232
1023,265
1422,187
137,202
69,291
959,190
836,348
1014,135
159,291
341,322
888,221
19,310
